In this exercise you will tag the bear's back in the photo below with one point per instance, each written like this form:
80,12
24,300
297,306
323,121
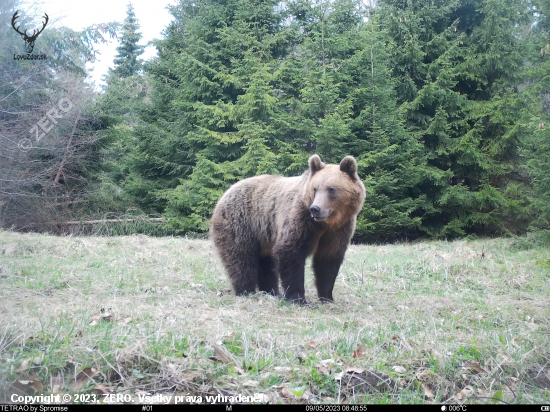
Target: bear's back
255,209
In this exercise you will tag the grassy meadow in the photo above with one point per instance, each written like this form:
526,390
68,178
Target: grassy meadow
454,322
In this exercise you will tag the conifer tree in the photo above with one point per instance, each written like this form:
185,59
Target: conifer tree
124,94
425,94
240,94
538,93
127,60
457,65
209,122
344,102
391,160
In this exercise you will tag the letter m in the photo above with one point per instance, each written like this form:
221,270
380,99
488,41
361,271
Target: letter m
228,408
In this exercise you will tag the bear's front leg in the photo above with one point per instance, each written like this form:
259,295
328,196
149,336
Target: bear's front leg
290,264
328,257
326,269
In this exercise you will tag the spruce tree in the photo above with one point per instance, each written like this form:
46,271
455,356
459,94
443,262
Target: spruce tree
124,95
209,122
127,60
538,118
458,68
340,99
391,160
236,93
425,94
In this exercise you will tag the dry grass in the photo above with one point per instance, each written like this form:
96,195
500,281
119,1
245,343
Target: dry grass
422,322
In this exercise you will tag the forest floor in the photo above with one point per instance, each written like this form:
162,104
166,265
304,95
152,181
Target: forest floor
133,318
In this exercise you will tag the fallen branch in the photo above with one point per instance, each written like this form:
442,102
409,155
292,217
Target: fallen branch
93,222
71,203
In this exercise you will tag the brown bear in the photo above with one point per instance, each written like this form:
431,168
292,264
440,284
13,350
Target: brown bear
265,227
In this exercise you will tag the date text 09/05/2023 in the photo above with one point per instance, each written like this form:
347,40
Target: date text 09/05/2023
336,408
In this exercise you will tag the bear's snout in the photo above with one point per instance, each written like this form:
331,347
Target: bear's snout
315,210
317,214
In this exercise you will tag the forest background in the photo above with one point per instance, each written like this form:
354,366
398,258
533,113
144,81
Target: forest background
444,104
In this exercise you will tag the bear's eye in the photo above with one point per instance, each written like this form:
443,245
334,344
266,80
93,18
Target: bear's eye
314,190
331,190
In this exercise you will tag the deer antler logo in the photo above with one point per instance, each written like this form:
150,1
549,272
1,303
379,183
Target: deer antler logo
29,40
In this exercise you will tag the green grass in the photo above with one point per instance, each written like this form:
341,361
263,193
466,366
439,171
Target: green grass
463,321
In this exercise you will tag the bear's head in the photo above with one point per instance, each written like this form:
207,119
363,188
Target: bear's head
334,193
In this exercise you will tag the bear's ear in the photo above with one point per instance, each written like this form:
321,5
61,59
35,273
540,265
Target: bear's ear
315,164
349,165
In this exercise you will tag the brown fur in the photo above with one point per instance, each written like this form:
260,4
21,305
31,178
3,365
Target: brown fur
263,228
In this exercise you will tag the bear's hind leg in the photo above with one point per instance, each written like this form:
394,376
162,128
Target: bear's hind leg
268,280
242,268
